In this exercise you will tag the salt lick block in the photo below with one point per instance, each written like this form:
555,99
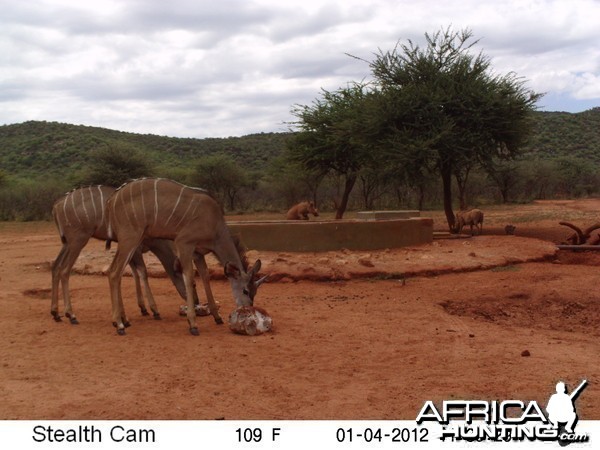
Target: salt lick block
250,320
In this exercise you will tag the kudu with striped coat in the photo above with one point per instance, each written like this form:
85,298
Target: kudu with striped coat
154,208
81,215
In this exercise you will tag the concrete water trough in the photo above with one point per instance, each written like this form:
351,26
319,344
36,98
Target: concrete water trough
385,215
327,235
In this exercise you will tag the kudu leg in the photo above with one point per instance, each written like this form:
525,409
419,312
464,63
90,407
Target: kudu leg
138,267
123,255
138,289
56,266
164,251
185,254
203,271
74,247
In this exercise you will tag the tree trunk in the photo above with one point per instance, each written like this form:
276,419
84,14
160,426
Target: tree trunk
446,171
348,185
231,193
504,194
421,199
461,182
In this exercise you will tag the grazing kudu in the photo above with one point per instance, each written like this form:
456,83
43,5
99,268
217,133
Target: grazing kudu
81,215
301,210
163,209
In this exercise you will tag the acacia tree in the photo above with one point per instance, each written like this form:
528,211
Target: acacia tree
115,165
292,182
442,106
221,176
505,177
332,138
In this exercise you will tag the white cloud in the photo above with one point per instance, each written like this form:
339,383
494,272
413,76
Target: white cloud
199,68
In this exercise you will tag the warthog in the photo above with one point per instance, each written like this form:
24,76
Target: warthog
301,211
472,217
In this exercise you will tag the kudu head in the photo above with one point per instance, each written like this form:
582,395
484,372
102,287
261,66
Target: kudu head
244,284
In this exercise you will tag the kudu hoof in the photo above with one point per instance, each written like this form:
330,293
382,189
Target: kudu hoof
127,324
194,331
144,312
219,321
56,316
72,319
121,331
156,316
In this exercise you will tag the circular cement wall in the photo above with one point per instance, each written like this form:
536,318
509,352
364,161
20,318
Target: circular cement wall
326,235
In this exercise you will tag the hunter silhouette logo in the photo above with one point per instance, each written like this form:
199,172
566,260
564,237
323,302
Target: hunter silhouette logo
508,420
561,410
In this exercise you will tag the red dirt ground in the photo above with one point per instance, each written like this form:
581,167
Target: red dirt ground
357,335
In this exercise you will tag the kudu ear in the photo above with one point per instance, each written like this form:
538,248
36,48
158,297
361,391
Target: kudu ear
255,268
231,271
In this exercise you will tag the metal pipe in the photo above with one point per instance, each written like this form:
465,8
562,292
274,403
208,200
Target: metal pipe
579,247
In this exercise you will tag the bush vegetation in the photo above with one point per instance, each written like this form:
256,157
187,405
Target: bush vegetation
40,161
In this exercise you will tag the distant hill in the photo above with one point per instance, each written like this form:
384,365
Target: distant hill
34,149
559,134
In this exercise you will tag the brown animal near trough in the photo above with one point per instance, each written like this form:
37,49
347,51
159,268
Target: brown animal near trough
80,215
474,217
155,208
301,211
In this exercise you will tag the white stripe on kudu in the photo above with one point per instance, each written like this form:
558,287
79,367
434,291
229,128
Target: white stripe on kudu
143,202
176,204
87,216
101,203
72,195
155,199
93,202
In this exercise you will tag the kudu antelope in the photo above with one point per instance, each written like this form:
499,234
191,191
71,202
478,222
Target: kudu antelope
81,215
164,209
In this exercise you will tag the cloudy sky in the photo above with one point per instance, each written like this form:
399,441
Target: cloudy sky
198,68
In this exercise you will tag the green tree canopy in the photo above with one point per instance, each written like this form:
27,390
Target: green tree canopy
331,136
436,109
442,107
222,177
113,166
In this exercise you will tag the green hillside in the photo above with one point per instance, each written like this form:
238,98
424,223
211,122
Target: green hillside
39,161
34,149
561,134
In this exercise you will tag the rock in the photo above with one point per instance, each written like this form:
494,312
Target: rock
525,353
364,261
250,320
